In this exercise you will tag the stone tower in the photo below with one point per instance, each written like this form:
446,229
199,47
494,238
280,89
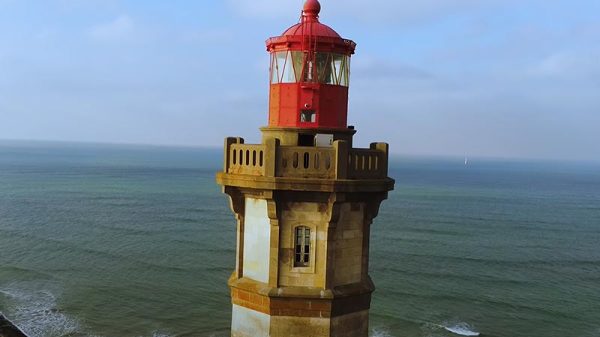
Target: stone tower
304,198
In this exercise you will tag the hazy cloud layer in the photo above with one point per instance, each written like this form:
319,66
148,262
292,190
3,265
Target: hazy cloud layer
451,77
373,10
118,29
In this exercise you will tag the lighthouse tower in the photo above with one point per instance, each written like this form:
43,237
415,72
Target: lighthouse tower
304,198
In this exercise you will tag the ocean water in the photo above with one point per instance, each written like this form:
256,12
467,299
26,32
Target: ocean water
132,241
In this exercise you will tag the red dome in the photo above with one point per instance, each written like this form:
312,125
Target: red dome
310,24
313,28
310,35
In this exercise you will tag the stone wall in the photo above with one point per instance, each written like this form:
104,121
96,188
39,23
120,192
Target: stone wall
315,216
257,229
349,244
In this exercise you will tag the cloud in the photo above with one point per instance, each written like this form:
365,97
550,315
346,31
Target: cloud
85,4
399,11
119,29
569,65
376,69
214,35
264,8
372,11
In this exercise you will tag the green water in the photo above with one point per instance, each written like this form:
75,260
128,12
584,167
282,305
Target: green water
116,241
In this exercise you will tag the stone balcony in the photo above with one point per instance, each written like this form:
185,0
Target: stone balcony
305,167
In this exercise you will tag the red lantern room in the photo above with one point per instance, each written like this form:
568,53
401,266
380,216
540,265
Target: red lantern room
310,71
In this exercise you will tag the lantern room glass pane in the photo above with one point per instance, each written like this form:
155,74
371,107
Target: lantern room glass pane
274,69
338,64
325,68
298,66
345,71
288,75
332,68
298,61
280,57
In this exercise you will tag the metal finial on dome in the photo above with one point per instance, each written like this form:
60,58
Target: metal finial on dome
311,8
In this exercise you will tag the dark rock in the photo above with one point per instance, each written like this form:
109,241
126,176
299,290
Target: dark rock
8,329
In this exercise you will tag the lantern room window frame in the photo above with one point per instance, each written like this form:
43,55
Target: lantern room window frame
292,66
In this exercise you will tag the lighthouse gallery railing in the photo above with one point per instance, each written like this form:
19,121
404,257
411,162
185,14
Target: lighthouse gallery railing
336,162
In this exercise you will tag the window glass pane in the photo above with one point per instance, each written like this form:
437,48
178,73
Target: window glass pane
325,68
280,59
298,58
274,70
307,116
345,71
302,246
338,64
288,75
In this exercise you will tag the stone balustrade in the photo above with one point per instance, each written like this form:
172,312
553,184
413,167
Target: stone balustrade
246,159
305,162
336,162
368,163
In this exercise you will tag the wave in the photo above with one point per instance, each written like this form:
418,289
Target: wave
462,329
36,313
159,334
454,327
432,329
380,332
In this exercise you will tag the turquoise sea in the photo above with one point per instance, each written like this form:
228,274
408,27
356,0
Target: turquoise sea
134,241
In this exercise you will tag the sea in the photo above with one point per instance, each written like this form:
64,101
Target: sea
138,241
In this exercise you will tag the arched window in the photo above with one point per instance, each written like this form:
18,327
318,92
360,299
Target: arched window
302,247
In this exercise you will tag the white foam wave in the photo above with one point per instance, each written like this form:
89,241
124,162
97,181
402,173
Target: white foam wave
462,329
380,332
158,334
36,314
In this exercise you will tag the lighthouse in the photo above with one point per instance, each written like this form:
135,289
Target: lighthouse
304,198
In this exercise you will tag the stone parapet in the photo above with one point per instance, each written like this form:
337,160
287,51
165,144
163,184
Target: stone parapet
337,162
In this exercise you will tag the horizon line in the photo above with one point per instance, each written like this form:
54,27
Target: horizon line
393,155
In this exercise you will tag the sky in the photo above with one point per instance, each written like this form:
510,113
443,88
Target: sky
494,78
